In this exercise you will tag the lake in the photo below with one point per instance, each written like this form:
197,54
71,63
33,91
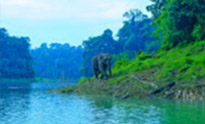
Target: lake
23,103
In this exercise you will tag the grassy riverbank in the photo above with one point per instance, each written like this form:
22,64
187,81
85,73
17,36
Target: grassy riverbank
184,65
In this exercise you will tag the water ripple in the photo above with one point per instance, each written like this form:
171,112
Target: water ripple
41,107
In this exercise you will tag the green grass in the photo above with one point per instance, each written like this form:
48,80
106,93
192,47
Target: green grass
180,64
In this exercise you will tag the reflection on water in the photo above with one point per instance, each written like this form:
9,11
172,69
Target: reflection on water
34,106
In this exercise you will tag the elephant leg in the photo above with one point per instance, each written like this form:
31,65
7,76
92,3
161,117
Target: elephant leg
103,71
105,75
96,73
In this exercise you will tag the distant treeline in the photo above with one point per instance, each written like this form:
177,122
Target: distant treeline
57,61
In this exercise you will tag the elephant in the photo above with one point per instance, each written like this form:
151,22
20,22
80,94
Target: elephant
100,64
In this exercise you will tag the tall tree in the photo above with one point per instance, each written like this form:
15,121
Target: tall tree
15,60
95,45
136,33
181,21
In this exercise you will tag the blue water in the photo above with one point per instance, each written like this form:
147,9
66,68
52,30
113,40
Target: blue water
34,104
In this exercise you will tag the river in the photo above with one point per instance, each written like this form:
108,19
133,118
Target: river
33,104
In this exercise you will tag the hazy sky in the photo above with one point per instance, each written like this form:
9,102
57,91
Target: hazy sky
64,21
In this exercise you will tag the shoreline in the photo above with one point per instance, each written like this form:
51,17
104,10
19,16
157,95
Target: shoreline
129,90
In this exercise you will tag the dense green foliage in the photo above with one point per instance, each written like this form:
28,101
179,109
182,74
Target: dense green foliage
57,61
15,60
181,22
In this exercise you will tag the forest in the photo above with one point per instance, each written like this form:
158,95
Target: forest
57,61
165,30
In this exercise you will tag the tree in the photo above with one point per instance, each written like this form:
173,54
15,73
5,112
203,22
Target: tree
95,45
181,21
15,60
136,33
156,7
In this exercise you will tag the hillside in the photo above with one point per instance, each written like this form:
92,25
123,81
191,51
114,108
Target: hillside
184,65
